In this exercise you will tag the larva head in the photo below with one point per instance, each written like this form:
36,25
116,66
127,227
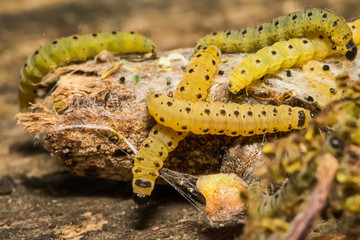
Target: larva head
351,50
141,199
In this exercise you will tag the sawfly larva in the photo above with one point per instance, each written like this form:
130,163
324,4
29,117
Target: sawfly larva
197,79
230,119
283,54
74,48
294,25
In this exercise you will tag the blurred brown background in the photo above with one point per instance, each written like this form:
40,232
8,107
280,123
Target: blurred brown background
25,25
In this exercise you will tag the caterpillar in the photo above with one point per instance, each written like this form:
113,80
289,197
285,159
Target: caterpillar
294,25
230,119
74,48
197,79
283,54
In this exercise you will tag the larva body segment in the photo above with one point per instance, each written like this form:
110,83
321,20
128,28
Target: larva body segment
197,79
230,119
294,25
199,75
75,48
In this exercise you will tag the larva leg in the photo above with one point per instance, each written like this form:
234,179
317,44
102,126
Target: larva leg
220,118
74,48
197,79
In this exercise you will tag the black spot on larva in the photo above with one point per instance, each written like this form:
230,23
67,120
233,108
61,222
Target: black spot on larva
324,15
191,70
184,127
250,113
289,127
309,14
336,142
187,109
332,90
234,133
276,195
251,132
214,33
137,170
199,55
122,79
263,112
228,33
321,36
132,33
207,77
156,132
275,129
162,119
113,32
309,98
243,72
257,61
169,104
221,72
54,42
264,130
161,153
326,67
301,121
156,95
294,17
244,32
143,183
169,144
146,145
276,23
275,110
179,133
213,62
199,96
206,130
290,46
221,131
273,52
140,159
157,165
75,37
261,28
182,89
152,174
207,111
305,41
222,112
288,73
236,113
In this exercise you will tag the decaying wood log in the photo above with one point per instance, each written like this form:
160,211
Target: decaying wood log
93,114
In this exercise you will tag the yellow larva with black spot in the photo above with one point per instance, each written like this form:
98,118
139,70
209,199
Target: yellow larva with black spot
197,79
283,54
75,48
230,119
294,25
